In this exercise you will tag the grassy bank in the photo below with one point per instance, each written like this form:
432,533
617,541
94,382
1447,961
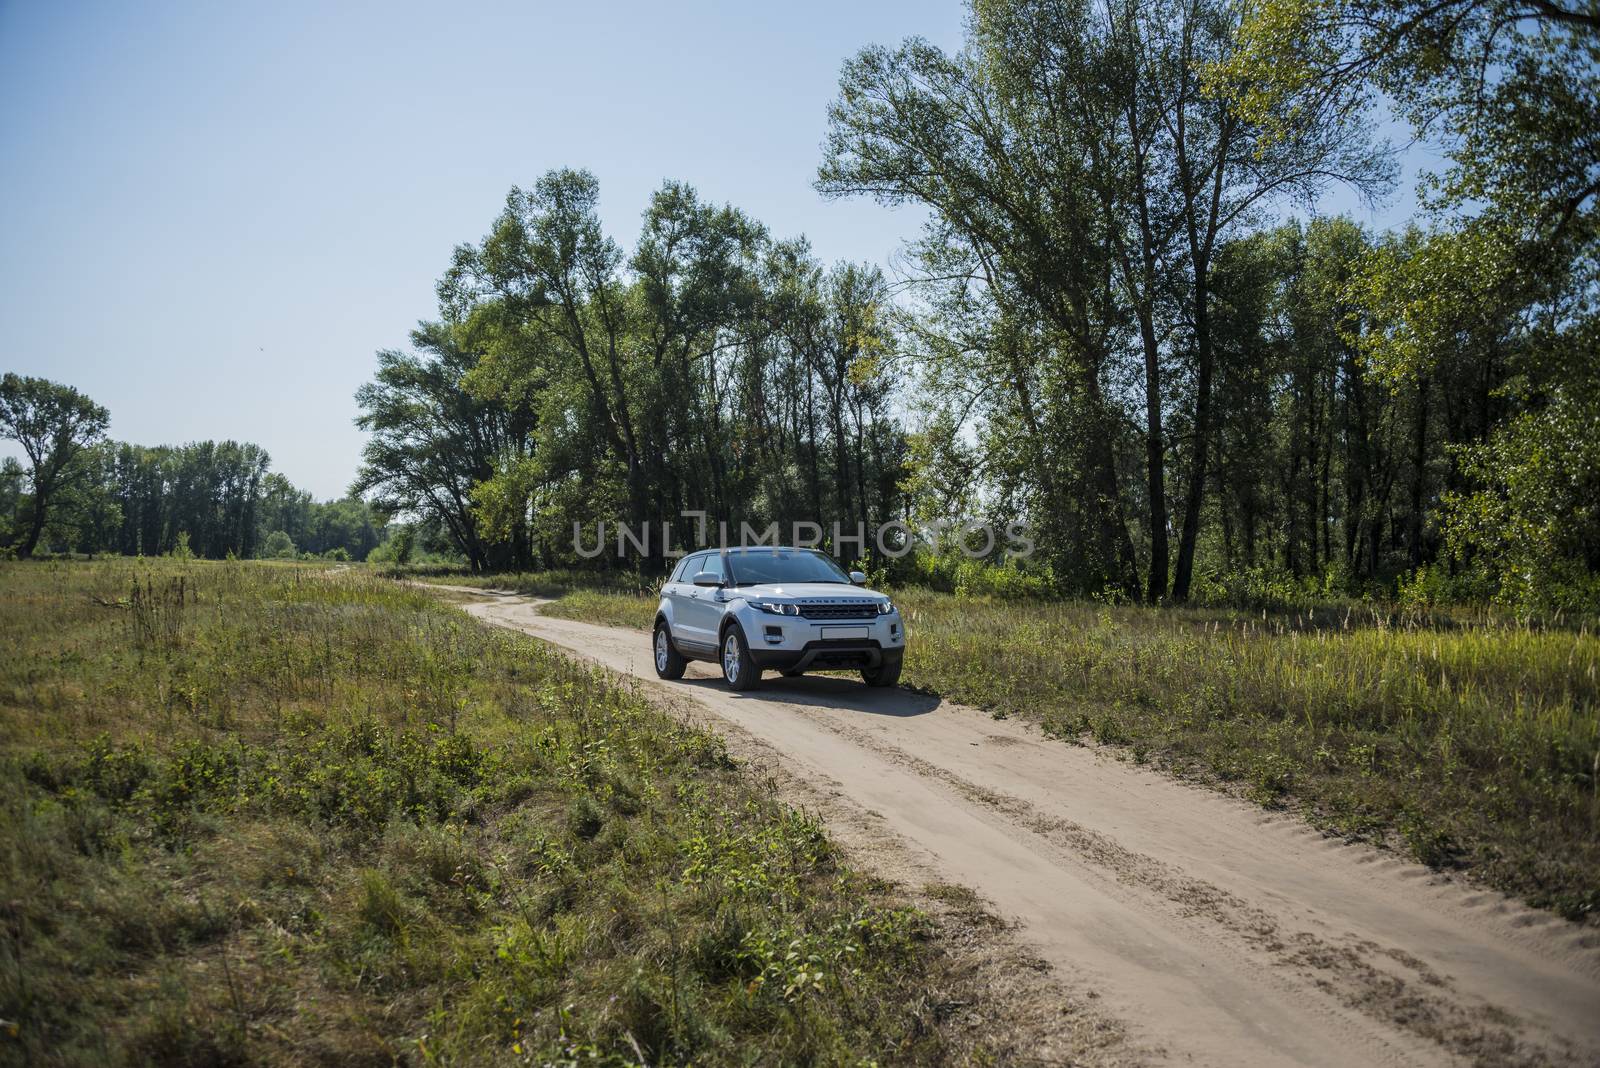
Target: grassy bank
1469,743
260,813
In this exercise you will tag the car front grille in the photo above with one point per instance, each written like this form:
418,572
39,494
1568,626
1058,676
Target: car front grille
846,610
848,658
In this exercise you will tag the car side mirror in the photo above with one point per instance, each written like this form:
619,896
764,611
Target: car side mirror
858,577
706,578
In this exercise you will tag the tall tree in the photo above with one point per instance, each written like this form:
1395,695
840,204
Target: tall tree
712,369
432,441
55,425
1073,152
1021,218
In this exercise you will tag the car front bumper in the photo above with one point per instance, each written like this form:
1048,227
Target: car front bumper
829,655
786,643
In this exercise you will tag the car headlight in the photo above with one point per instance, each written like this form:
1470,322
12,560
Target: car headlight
886,608
779,609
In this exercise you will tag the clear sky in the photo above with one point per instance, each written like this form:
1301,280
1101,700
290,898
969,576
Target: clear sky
212,215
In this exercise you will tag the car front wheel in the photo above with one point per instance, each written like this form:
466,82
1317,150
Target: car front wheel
886,675
669,664
738,669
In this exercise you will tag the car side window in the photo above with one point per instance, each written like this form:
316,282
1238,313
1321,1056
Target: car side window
710,562
691,566
681,570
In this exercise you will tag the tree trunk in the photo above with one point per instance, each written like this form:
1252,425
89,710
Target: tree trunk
1116,545
1419,472
1155,458
1202,436
35,529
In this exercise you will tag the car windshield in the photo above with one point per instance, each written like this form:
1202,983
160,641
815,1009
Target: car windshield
751,568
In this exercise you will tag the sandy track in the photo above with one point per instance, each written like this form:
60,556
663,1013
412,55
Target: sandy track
1215,933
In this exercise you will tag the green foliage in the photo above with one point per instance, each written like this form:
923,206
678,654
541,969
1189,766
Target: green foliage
56,427
1076,251
432,442
1490,310
1533,518
954,572
138,501
209,490
568,382
1098,316
1255,588
1506,91
279,546
351,525
402,544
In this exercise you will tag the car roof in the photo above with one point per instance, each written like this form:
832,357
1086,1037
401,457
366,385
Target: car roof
761,549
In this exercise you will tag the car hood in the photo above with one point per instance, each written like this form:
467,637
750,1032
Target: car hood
806,591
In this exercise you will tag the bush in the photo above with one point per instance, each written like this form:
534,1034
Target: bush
278,546
954,572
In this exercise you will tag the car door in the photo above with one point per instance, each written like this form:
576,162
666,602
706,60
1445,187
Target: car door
703,614
676,596
684,596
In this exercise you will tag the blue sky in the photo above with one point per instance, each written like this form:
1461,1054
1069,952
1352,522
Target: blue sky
212,215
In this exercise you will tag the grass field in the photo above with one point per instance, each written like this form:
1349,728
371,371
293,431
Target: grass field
1468,742
272,814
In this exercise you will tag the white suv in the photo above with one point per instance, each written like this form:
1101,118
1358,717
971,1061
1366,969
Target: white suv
791,610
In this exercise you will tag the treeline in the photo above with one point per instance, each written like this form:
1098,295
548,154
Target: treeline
1116,340
1106,334
1107,331
567,381
82,493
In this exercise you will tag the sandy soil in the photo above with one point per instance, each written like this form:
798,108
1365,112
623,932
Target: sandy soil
1205,930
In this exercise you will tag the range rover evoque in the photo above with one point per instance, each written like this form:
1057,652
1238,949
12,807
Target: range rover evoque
774,608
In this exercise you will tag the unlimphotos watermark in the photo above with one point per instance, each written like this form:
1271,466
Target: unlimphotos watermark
892,540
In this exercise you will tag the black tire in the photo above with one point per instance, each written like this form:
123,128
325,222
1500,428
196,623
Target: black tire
886,674
669,662
734,654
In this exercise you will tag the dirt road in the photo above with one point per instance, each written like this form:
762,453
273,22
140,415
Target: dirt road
1216,933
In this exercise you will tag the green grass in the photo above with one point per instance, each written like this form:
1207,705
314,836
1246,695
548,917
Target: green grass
607,609
1469,742
272,814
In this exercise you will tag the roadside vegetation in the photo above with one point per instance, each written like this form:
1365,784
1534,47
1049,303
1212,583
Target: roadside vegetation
274,813
551,583
1467,740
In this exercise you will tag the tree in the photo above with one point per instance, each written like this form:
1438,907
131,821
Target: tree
54,424
86,515
1484,317
574,382
13,479
1080,172
1021,244
432,442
